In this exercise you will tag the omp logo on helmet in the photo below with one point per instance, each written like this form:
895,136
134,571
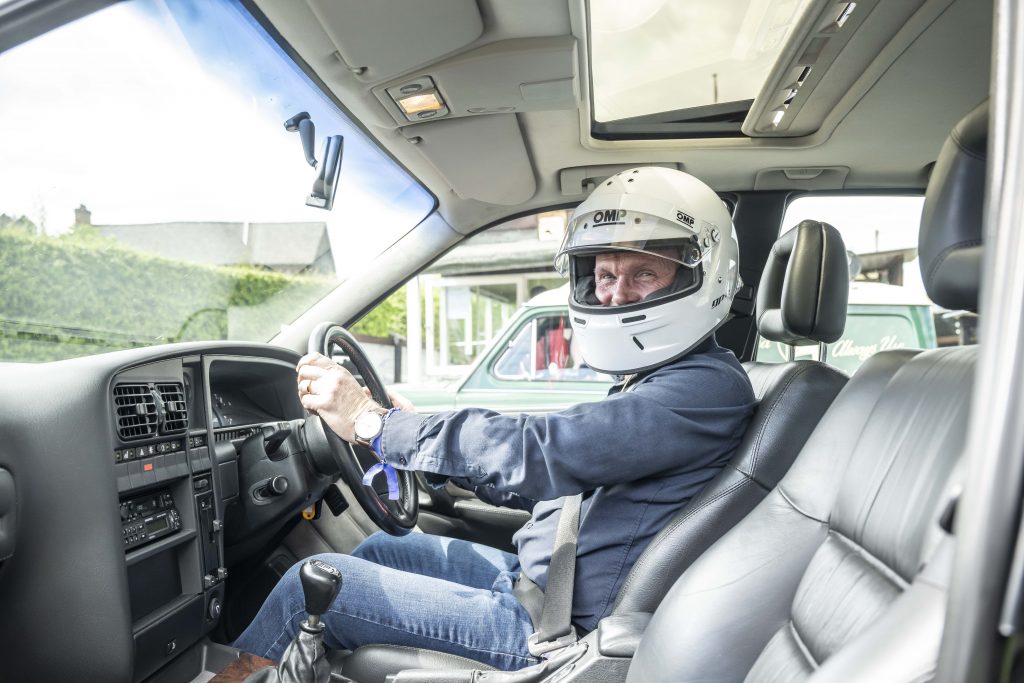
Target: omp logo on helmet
714,304
684,218
609,216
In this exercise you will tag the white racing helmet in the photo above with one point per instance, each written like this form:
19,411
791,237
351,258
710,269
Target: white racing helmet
662,212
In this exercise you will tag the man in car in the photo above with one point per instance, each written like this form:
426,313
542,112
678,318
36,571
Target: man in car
653,263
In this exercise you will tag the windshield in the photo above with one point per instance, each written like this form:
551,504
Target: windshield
151,193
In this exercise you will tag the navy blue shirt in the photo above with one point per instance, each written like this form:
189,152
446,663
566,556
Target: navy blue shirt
642,453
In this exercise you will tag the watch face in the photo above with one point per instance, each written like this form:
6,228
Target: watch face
368,425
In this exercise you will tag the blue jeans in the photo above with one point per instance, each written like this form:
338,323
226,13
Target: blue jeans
417,590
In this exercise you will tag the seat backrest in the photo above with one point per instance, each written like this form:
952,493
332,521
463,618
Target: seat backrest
840,573
802,300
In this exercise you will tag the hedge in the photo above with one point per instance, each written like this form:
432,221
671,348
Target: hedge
82,294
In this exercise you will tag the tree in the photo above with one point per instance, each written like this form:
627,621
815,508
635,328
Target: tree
21,224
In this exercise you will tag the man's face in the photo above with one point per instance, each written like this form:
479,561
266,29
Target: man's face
625,277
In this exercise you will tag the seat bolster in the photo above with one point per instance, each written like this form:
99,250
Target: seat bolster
903,644
757,566
373,663
792,397
813,481
722,504
752,571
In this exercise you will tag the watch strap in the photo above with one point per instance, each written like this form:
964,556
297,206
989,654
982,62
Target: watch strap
375,445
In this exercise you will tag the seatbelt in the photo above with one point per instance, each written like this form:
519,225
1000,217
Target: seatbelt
555,630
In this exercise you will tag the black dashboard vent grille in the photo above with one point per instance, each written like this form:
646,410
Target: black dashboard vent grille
136,411
235,434
175,408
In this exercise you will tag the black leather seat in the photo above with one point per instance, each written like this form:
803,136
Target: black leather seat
802,300
841,573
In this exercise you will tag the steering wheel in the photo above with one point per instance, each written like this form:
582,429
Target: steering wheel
397,517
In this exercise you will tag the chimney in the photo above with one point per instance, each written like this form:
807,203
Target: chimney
83,216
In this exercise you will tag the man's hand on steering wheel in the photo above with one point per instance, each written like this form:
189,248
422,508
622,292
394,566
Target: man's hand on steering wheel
330,391
335,400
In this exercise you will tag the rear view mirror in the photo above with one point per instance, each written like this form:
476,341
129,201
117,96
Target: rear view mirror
326,184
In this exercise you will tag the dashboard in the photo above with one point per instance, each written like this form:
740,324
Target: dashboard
141,479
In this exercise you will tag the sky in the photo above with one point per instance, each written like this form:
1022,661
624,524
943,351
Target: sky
868,224
662,55
145,116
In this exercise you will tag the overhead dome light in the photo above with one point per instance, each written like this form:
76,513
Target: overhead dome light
413,104
419,99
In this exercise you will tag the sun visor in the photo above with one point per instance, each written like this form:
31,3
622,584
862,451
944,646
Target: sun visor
503,175
376,40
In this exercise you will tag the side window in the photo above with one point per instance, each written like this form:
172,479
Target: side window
543,349
888,307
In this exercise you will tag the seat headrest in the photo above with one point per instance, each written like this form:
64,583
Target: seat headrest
805,286
951,223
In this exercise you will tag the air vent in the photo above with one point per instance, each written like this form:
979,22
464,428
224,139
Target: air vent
235,434
175,409
136,411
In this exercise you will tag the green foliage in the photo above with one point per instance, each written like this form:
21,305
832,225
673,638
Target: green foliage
82,294
386,319
85,233
21,224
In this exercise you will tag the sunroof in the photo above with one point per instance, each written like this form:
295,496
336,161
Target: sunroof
670,61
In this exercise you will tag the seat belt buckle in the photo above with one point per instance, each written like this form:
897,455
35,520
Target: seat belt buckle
540,648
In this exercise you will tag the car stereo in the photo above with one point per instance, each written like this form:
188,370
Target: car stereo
147,518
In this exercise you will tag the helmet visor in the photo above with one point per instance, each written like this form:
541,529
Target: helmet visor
623,229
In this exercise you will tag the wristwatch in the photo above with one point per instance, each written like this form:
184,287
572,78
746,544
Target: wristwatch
368,426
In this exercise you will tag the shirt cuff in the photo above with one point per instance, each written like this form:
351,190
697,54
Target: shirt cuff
398,439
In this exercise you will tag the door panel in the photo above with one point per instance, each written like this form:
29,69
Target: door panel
458,513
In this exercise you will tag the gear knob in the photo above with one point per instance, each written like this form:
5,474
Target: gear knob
320,585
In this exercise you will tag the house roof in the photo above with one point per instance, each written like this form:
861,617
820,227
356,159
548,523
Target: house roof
227,243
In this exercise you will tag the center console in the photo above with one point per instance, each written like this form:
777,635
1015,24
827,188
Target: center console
167,500
185,478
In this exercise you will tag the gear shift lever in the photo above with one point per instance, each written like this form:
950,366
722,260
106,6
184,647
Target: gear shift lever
304,660
320,585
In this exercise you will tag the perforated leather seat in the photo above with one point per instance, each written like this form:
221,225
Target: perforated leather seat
802,300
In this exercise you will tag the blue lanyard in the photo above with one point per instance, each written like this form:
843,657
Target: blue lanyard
388,470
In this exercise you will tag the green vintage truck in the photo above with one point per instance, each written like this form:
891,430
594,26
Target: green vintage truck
531,367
